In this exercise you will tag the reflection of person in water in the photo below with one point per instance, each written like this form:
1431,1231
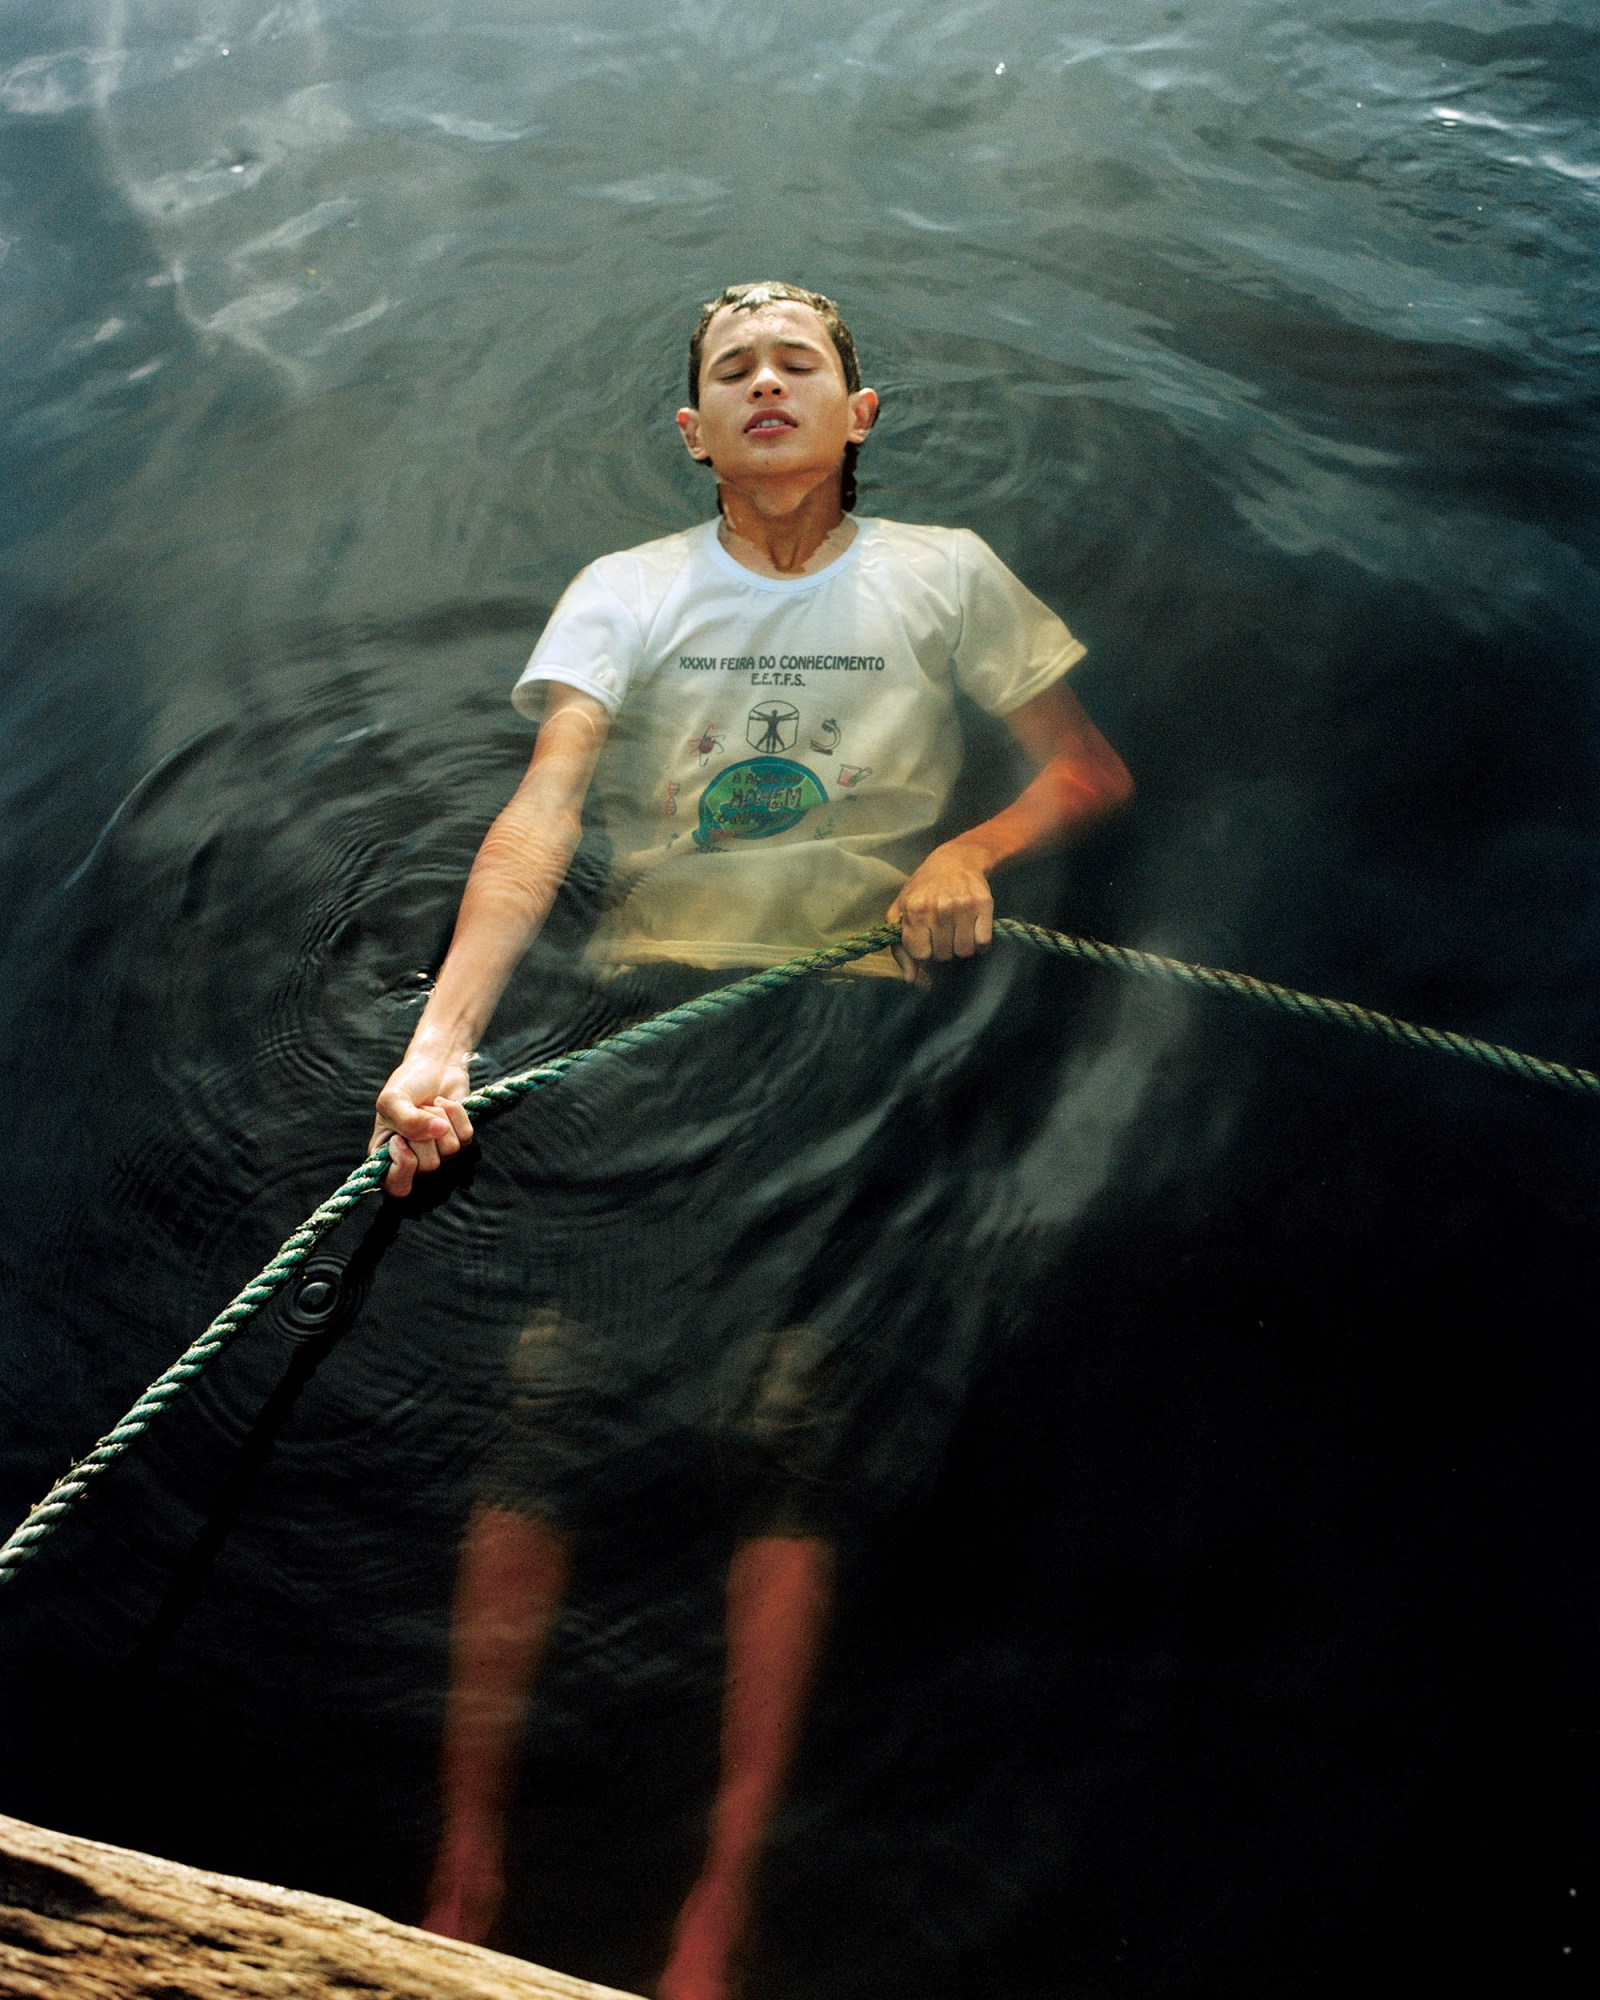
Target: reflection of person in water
646,673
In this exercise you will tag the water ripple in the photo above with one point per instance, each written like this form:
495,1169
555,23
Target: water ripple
1261,341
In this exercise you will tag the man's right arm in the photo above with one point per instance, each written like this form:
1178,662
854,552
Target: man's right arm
519,869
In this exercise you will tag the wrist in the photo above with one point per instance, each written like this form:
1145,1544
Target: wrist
969,850
442,1041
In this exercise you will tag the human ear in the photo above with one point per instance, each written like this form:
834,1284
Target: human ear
863,413
689,424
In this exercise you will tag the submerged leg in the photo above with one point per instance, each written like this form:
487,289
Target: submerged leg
509,1587
780,1598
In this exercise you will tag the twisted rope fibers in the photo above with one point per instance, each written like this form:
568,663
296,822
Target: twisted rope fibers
46,1514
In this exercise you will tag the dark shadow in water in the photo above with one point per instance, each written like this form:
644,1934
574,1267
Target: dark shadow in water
311,1314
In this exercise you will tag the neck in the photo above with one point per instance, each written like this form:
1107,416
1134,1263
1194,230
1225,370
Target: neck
784,529
749,556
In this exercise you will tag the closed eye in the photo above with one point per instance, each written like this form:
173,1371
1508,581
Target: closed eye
797,361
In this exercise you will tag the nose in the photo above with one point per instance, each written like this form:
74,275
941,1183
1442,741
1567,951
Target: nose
766,381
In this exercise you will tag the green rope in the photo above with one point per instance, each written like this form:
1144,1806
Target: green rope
46,1515
1442,1041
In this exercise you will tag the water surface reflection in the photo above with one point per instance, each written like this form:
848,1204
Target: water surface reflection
1259,345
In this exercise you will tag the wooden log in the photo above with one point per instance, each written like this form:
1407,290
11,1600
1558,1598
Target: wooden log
83,1921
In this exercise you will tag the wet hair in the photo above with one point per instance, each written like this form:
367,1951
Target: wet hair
749,298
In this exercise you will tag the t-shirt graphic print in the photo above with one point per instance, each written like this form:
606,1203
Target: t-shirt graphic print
781,748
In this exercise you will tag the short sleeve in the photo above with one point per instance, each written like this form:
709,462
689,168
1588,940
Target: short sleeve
1011,646
593,641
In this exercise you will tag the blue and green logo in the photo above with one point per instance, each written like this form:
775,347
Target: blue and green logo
756,799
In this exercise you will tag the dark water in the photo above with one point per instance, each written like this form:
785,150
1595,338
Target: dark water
1237,1634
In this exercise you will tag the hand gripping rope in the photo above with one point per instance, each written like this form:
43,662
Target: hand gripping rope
47,1514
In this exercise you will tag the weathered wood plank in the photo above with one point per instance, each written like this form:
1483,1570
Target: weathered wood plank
83,1921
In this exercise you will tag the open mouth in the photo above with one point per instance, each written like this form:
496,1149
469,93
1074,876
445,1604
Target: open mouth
769,420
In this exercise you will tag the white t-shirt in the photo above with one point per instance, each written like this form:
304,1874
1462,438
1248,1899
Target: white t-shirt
781,747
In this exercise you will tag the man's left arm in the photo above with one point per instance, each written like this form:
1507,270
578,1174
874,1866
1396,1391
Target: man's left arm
945,910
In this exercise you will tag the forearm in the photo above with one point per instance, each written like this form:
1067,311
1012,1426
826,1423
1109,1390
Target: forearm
946,908
1065,799
514,881
421,1112
516,877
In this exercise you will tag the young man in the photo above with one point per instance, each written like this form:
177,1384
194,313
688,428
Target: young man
766,706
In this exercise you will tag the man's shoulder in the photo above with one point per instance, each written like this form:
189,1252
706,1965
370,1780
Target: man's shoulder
648,565
939,559
922,543
915,535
